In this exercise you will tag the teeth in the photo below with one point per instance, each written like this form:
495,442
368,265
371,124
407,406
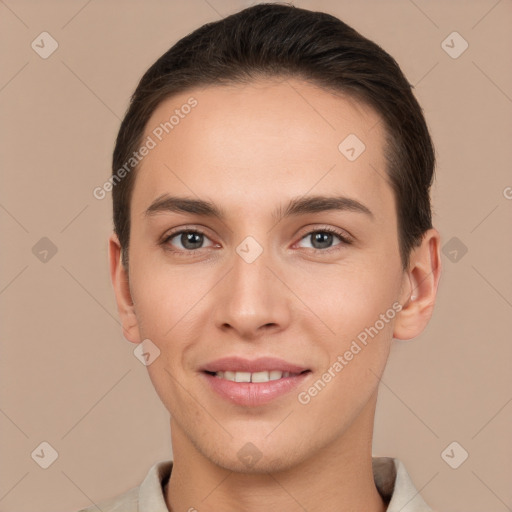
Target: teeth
265,376
242,377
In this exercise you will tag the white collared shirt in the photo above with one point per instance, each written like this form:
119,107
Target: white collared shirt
391,479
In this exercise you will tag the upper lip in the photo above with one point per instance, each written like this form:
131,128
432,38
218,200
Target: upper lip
235,363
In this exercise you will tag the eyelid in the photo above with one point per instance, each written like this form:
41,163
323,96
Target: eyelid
343,234
176,231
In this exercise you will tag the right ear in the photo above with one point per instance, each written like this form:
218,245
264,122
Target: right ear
120,282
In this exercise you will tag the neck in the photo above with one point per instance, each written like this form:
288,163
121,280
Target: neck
338,477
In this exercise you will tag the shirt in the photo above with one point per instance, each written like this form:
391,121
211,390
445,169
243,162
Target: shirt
391,479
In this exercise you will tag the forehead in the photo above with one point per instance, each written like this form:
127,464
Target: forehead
266,140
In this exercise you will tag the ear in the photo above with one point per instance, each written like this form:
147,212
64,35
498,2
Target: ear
120,282
420,287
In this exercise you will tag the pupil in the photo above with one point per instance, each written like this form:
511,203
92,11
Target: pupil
191,240
323,238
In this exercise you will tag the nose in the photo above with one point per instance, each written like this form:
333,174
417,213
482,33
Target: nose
253,299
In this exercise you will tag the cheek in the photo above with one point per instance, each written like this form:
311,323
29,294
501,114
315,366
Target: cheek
359,308
348,298
164,304
359,311
165,296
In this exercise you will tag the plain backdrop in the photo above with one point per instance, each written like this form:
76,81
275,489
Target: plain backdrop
68,377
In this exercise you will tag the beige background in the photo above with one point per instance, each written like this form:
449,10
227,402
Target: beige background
69,378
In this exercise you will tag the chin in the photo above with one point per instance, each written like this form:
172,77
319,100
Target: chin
250,459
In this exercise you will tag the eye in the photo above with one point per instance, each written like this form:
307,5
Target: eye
187,239
322,239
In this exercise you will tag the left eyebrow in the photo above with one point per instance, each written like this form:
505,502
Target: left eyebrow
297,206
315,204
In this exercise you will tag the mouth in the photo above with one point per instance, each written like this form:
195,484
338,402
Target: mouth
255,377
253,382
253,389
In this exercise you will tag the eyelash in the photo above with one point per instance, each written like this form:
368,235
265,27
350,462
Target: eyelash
192,252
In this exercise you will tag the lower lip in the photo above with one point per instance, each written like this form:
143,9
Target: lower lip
254,393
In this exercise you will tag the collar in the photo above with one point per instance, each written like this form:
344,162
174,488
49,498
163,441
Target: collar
391,479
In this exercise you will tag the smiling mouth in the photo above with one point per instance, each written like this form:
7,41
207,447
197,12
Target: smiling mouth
254,377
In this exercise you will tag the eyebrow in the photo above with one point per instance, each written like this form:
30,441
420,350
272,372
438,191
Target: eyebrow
297,206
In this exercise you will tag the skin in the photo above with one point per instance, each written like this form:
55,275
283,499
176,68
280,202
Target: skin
250,149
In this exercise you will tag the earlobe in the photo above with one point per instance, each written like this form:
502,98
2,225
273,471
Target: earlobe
120,283
420,294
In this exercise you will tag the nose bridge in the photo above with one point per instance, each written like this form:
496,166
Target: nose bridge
250,280
250,262
251,295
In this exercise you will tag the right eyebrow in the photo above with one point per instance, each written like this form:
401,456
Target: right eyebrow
167,203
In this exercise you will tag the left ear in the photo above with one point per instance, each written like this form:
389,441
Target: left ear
420,293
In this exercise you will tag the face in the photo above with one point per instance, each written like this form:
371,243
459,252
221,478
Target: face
280,271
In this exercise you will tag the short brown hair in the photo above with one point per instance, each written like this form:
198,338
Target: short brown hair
275,40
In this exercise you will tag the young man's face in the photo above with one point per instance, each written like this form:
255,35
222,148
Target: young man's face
250,151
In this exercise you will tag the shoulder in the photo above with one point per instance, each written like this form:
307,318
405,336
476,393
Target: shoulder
126,502
148,496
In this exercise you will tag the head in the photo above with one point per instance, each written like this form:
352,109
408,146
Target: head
249,122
